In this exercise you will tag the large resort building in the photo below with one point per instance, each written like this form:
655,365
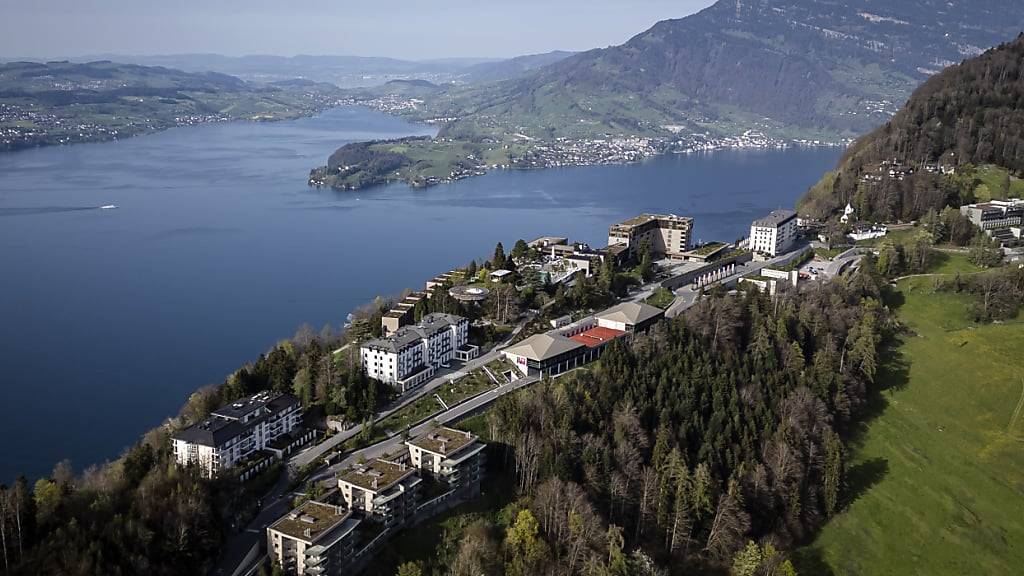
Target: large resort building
667,235
240,431
774,234
411,355
575,345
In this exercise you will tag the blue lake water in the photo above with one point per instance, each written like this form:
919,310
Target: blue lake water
110,318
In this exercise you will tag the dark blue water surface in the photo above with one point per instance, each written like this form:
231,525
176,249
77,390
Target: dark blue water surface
110,318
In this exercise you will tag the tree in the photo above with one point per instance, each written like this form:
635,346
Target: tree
478,551
498,261
984,252
646,263
526,548
302,386
833,476
410,569
747,561
471,270
520,250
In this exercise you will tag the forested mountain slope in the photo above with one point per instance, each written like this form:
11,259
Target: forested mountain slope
968,116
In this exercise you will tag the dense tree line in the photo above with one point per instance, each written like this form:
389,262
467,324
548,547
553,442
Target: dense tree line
968,115
995,295
714,442
141,514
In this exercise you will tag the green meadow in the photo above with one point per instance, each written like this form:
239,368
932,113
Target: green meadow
936,474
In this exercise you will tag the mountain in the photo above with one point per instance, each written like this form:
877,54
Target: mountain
347,71
511,68
344,71
959,138
785,66
65,102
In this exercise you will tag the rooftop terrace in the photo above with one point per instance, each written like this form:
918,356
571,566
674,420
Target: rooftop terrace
311,521
376,475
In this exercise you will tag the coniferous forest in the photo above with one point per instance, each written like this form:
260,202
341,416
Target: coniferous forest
714,443
966,116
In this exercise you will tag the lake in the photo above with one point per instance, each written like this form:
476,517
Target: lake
109,319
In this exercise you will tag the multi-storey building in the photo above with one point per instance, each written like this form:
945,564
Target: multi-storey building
239,430
315,539
453,456
387,491
774,234
665,235
411,355
995,214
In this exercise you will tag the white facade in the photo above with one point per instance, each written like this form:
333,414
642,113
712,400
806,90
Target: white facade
235,432
773,235
410,356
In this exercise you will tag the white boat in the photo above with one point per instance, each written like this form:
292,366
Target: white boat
108,207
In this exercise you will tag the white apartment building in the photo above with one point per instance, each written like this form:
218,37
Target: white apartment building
667,235
315,539
774,234
411,355
237,431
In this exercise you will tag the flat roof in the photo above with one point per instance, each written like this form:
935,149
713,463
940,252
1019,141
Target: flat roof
443,440
543,346
376,475
548,240
316,517
645,218
597,336
775,219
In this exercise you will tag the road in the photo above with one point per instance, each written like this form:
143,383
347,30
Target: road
278,501
457,412
243,544
312,453
840,262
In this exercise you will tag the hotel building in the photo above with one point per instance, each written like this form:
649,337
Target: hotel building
411,355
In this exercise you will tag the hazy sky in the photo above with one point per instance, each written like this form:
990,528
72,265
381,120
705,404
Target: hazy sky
414,29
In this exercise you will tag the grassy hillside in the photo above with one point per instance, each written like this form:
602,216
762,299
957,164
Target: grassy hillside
938,475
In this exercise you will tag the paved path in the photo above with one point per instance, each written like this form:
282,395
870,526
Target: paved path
278,502
455,413
319,450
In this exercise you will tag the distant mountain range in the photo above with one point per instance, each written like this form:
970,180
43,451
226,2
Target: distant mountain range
66,102
343,71
787,66
960,138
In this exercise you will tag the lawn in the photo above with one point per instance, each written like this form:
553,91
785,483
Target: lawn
663,298
936,478
422,409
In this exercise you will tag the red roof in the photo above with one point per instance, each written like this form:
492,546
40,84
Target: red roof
596,336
